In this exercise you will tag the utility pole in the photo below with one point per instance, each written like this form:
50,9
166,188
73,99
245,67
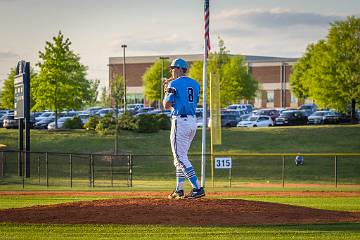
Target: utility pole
124,76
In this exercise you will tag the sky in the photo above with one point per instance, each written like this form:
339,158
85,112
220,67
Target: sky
97,29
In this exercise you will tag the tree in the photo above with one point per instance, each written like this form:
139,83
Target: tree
7,96
117,91
61,83
235,82
329,71
152,80
105,98
93,92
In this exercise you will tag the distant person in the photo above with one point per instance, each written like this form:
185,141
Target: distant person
299,160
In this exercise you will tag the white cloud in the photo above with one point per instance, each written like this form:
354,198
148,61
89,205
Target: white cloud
6,55
276,17
276,32
150,43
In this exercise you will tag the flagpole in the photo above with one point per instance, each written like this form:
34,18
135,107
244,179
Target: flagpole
206,49
203,145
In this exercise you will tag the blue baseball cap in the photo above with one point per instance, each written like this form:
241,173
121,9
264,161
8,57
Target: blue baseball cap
179,63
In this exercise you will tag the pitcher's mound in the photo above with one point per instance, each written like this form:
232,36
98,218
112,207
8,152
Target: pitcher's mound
175,212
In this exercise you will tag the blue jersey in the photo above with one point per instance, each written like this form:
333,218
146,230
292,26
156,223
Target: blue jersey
183,94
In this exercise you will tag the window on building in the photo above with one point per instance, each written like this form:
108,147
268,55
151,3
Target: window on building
135,98
294,99
270,96
257,98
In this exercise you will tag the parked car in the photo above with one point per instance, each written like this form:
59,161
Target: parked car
323,117
104,111
2,120
144,110
60,123
257,121
243,107
157,112
10,122
93,110
236,113
273,113
228,120
44,115
308,109
84,118
43,124
71,113
291,117
245,117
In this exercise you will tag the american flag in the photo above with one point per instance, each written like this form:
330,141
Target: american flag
207,34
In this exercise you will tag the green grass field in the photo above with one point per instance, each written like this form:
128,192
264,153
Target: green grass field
153,161
326,232
156,174
309,139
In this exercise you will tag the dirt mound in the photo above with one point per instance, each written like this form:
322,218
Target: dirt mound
175,212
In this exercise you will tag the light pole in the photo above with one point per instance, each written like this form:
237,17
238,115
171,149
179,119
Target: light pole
162,79
124,76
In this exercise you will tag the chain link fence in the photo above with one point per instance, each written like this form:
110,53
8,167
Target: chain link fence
106,170
65,169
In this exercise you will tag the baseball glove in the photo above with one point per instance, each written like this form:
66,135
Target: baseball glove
166,84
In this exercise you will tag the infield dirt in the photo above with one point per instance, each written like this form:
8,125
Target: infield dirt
201,212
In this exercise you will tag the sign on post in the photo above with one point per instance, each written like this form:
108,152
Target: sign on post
19,96
223,163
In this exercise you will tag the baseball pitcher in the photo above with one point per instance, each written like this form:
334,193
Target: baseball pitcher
182,96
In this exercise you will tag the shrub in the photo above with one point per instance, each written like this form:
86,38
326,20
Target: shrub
147,123
73,123
127,121
91,123
163,122
105,124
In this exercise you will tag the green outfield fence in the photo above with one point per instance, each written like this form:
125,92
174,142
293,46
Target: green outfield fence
50,169
280,168
65,169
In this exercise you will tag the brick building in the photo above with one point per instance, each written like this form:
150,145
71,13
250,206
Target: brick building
271,72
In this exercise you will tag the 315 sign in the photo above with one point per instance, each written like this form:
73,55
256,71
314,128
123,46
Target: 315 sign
223,163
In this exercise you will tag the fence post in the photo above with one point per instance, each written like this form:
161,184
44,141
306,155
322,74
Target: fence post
111,171
47,168
89,170
283,171
336,177
230,177
130,170
71,177
92,170
38,168
2,160
23,171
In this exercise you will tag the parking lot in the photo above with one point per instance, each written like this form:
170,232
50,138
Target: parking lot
235,115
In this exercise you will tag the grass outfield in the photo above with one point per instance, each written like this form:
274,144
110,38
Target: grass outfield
152,167
310,139
326,232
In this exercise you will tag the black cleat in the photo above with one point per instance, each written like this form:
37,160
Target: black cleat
177,194
196,193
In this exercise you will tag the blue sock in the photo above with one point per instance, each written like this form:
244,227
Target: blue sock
191,176
180,179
